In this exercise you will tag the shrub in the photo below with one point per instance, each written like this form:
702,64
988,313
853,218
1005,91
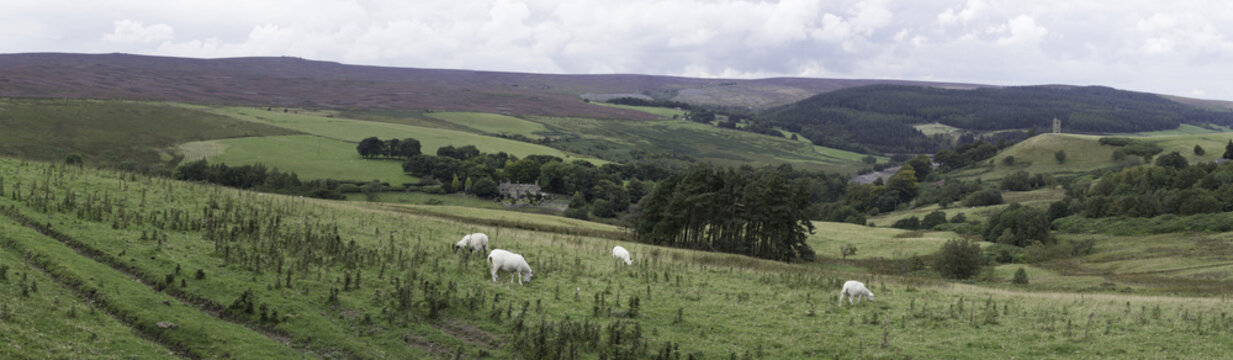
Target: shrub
1173,160
1008,161
908,223
847,249
1114,141
1019,226
933,219
959,259
1020,277
984,198
1003,254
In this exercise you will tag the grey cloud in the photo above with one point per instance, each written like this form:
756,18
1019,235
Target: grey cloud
1177,47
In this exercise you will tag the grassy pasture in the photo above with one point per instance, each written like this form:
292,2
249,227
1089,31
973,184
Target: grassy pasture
1039,198
111,132
1084,153
661,111
875,242
428,199
492,123
615,139
1183,129
350,130
310,157
311,251
52,322
1037,155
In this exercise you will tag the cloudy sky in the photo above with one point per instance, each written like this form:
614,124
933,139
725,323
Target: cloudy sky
1179,47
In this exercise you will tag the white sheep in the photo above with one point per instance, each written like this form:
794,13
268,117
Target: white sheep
854,289
477,242
620,253
509,262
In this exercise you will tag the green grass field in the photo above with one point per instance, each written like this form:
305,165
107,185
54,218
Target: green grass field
492,123
874,242
350,130
51,321
615,139
1183,129
661,111
428,199
310,157
1084,153
111,133
304,258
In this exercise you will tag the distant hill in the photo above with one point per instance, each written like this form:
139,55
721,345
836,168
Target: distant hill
1084,153
295,82
879,117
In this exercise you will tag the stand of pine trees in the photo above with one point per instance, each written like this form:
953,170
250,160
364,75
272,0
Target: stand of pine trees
759,213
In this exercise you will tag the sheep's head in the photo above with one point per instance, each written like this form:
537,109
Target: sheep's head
529,275
870,294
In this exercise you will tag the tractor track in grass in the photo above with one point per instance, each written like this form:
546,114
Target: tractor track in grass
202,304
93,300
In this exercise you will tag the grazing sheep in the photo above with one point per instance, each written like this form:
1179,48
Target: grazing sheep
509,262
620,253
477,242
854,289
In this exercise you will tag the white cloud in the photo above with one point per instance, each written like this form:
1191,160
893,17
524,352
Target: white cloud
128,31
969,11
1023,30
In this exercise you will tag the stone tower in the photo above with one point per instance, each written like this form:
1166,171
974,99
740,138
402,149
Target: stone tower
1057,126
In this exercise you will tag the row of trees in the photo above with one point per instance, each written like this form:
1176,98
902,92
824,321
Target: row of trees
257,177
392,148
633,101
761,213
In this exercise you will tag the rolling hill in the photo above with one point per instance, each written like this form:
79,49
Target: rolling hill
881,117
294,82
1084,153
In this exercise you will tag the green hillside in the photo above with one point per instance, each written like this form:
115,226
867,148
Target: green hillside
350,130
684,141
310,157
881,117
113,133
269,276
1085,153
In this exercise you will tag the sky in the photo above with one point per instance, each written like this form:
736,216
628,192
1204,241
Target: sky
1177,47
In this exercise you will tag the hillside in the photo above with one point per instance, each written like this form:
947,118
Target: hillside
880,117
1084,153
294,82
203,272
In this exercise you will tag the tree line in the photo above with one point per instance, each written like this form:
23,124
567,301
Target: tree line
393,148
633,101
761,213
879,117
257,177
